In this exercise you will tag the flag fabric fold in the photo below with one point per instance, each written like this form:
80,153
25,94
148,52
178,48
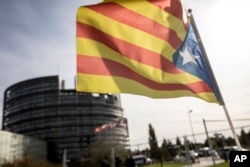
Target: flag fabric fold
143,47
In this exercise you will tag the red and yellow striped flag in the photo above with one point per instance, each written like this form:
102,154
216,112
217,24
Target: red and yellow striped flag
127,46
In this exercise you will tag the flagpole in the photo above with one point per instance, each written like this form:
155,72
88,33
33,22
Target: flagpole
214,82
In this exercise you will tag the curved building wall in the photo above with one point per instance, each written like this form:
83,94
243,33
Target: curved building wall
65,118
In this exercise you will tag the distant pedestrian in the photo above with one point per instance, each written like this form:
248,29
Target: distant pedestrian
105,162
117,161
129,162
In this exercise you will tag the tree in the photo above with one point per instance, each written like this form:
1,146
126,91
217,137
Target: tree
152,137
98,150
213,142
164,143
152,140
243,138
248,136
165,150
178,141
230,141
220,140
172,149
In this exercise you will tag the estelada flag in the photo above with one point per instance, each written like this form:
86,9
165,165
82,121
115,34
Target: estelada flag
143,47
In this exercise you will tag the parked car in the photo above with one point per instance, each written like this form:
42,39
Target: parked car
141,160
205,152
224,152
188,156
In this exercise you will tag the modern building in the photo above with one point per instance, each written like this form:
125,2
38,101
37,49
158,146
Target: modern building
66,119
15,147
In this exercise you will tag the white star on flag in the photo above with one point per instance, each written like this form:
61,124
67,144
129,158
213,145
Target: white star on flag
187,57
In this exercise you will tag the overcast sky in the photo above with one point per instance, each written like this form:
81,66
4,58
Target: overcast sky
37,38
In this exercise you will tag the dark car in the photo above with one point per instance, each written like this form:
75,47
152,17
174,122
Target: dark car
224,152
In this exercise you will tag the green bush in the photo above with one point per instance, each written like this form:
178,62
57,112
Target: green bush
98,150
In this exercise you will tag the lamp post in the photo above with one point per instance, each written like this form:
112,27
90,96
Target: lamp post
191,126
192,130
209,142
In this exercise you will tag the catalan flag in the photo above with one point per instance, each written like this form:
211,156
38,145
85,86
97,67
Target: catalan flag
143,47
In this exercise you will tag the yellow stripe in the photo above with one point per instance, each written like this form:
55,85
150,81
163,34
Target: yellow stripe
89,47
153,12
117,29
108,84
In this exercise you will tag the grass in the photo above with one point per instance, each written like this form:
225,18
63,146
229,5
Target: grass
224,164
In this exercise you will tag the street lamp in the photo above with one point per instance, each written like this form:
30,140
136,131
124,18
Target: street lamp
191,125
192,130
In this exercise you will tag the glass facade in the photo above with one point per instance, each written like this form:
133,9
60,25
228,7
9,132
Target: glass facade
66,119
15,146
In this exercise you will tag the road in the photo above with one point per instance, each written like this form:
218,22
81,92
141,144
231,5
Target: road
204,162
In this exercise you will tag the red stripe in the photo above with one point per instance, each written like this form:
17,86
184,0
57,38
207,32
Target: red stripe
97,66
127,49
128,17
